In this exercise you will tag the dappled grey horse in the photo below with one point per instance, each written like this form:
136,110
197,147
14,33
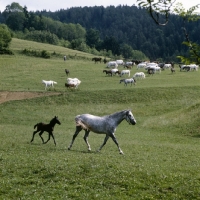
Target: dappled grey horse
101,125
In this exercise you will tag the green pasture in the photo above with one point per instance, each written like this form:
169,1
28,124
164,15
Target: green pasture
161,152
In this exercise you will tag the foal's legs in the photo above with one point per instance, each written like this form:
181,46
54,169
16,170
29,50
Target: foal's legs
51,135
78,129
40,134
33,135
86,139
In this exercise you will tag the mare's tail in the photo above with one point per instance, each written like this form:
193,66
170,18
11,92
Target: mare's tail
35,126
54,82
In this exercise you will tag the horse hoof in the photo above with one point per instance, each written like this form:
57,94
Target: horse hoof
68,148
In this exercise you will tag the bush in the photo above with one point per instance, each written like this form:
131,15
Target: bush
42,54
45,54
5,38
42,36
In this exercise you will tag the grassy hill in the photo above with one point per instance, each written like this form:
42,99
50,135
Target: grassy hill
161,158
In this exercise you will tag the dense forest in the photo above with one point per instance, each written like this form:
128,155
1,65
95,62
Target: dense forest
111,28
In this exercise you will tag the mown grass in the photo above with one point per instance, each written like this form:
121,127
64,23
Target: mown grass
161,158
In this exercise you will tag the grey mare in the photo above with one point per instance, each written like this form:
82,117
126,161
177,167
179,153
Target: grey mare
101,125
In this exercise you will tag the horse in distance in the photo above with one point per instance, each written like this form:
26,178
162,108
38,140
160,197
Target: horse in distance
95,59
67,72
48,84
101,125
42,127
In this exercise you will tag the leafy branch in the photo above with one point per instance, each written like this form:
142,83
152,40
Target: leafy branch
161,9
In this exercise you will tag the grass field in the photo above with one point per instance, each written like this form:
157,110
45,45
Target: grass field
161,158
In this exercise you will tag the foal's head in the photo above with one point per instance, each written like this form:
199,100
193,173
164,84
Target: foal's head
55,120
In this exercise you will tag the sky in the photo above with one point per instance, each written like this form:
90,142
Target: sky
51,5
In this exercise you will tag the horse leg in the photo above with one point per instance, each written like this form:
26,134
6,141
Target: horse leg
53,138
104,142
78,129
51,135
47,139
33,135
86,139
40,134
115,141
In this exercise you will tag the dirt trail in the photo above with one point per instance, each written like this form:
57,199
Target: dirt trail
10,96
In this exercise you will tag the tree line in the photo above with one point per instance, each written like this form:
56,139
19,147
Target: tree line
126,31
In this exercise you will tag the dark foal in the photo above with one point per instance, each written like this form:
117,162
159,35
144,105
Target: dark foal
46,127
67,72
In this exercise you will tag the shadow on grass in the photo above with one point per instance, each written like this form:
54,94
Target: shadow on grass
81,151
196,136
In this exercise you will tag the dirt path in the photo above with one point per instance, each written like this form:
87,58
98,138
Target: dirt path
10,96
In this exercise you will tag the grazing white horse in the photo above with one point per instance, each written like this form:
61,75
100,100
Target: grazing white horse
127,81
73,81
194,67
139,75
141,65
48,83
125,72
151,65
129,63
112,64
113,71
167,66
154,68
120,62
101,125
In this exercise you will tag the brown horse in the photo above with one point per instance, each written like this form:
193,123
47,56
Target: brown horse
95,59
67,72
108,72
67,85
128,66
46,127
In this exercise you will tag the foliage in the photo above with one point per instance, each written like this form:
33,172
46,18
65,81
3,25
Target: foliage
158,8
194,48
132,26
112,27
42,54
42,36
139,55
5,39
92,38
110,43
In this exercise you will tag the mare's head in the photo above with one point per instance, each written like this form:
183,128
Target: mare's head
55,120
130,118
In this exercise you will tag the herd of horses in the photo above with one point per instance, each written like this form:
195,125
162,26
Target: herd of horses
87,122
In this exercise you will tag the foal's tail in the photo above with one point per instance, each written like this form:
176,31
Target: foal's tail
35,126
